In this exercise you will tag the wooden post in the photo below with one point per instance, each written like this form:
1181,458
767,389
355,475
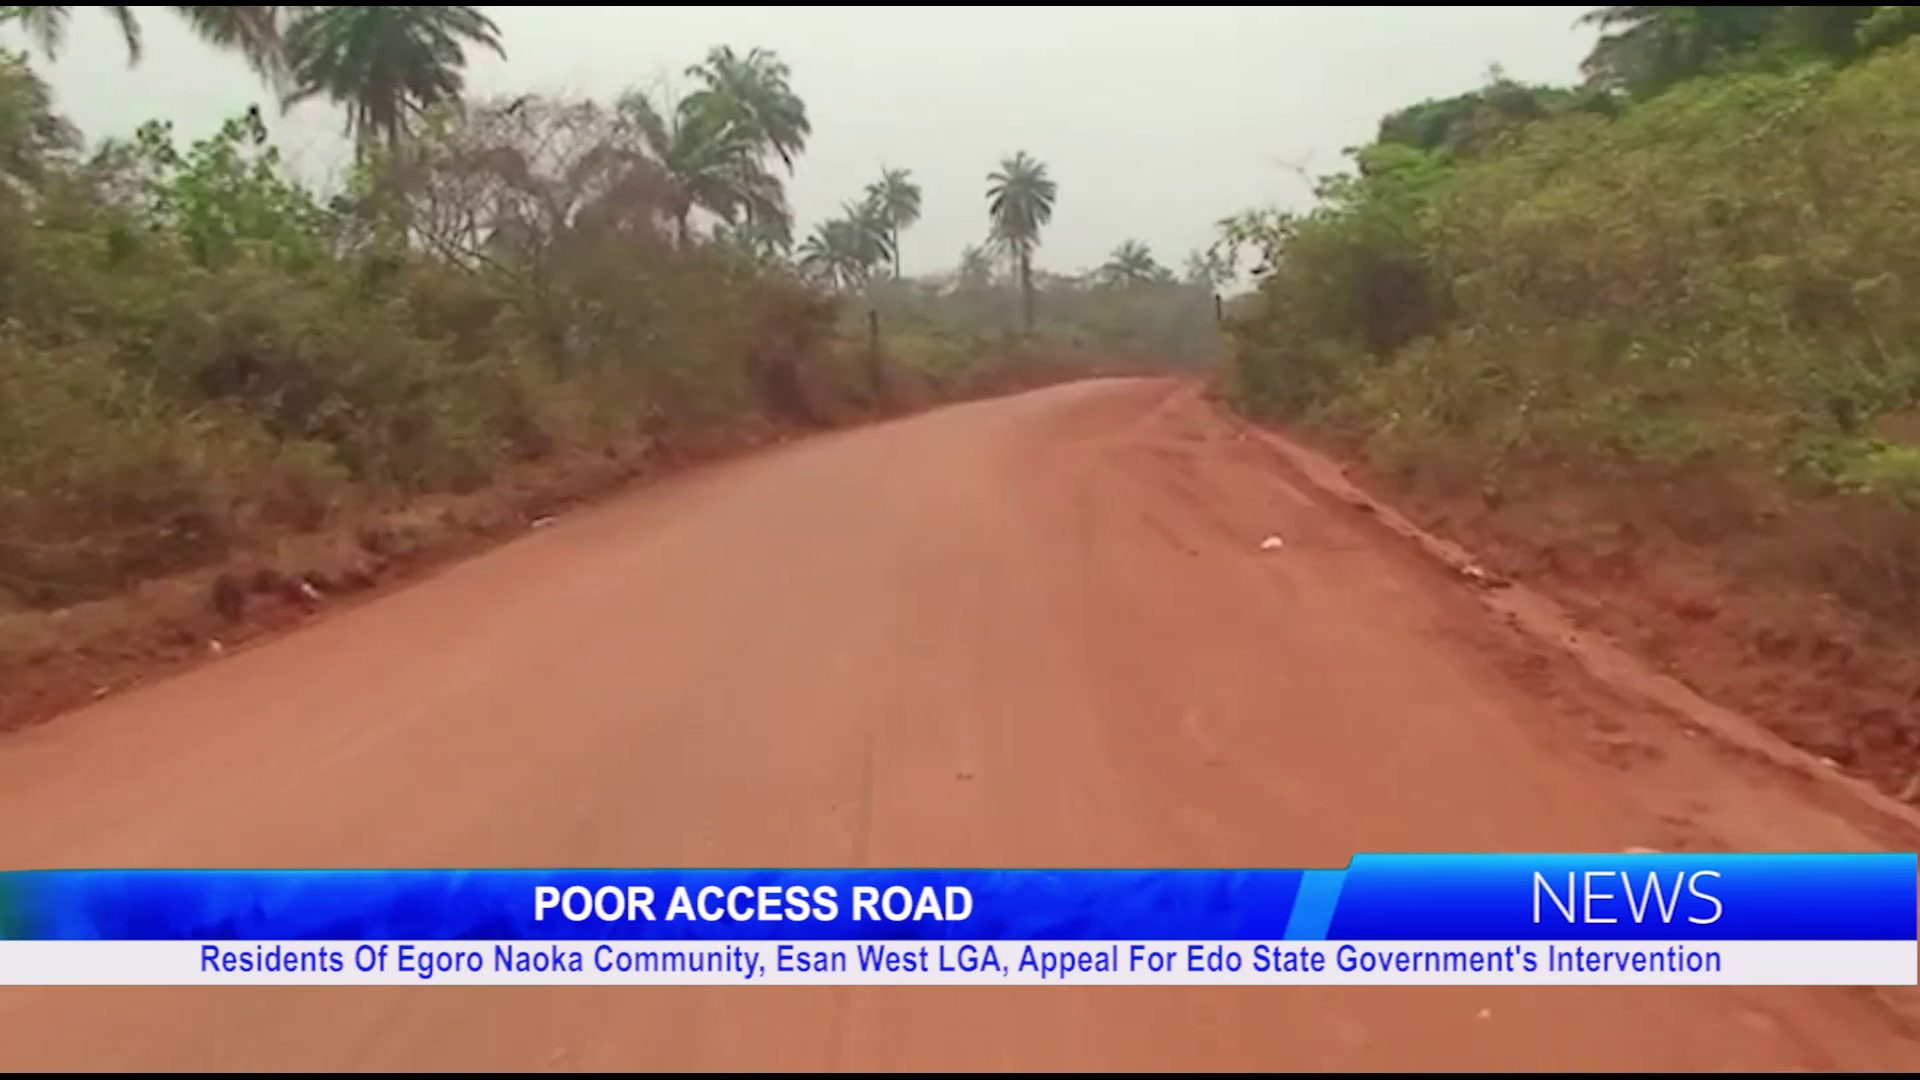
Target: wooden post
876,369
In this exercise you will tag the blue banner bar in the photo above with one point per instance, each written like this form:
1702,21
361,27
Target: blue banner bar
1708,897
1629,897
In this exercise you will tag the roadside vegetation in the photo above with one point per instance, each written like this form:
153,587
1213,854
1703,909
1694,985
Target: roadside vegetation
1128,312
1673,311
199,352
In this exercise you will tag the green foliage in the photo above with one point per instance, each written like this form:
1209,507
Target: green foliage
1643,51
1887,24
199,352
1721,275
384,64
712,164
226,193
1020,198
839,254
1862,466
753,93
254,32
844,253
32,135
1151,319
714,145
1470,123
872,233
1132,263
1344,284
104,477
894,200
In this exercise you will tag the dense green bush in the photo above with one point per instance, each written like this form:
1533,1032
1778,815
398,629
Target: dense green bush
1721,278
196,351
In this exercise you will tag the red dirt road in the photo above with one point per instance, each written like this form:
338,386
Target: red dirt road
1035,631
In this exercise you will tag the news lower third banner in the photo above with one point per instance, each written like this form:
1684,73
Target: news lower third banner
1434,920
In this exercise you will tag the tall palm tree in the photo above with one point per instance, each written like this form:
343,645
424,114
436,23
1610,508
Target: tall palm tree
384,64
871,232
713,163
1020,199
1132,263
253,32
754,92
897,199
836,254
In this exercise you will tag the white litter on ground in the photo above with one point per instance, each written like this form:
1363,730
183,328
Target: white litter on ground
1272,543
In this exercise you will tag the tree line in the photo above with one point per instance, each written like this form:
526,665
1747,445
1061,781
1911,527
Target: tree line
722,147
1660,317
1644,51
200,353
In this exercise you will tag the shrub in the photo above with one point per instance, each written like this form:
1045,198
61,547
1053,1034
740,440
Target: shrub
197,352
1719,279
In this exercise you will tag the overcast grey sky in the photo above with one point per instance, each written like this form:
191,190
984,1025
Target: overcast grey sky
1155,121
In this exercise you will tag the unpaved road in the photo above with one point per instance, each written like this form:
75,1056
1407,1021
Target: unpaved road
1036,631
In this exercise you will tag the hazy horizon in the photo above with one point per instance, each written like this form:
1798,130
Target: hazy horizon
1155,122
